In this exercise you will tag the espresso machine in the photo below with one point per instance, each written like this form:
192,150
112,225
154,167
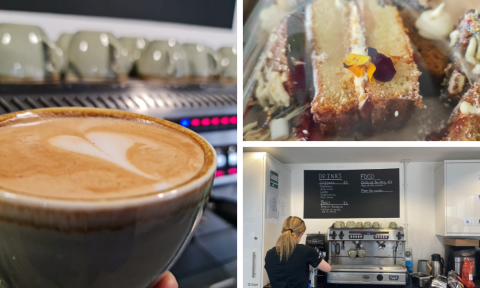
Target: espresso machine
383,251
319,243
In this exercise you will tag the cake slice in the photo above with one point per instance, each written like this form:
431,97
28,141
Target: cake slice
464,123
335,103
344,102
464,71
392,102
430,55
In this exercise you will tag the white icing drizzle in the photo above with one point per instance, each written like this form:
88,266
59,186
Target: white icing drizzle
476,70
454,37
471,51
271,91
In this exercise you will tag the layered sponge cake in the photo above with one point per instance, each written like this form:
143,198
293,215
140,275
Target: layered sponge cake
464,123
464,70
344,101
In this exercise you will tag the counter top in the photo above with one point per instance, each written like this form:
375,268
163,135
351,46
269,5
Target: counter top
326,285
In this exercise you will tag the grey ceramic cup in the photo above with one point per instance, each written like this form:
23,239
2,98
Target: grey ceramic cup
350,224
359,225
352,253
164,59
393,225
376,225
27,55
367,224
203,61
125,242
135,47
361,253
228,63
96,56
64,42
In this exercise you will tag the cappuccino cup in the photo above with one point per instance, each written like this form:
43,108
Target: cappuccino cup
27,55
376,225
367,224
164,60
135,47
350,224
95,56
359,225
352,253
97,198
339,224
228,64
203,61
64,42
361,253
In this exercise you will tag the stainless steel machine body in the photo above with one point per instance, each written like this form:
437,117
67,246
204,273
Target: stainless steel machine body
384,261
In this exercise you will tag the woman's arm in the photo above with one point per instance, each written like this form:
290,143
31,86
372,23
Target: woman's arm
324,266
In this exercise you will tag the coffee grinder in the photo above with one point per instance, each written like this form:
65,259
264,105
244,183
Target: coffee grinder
317,242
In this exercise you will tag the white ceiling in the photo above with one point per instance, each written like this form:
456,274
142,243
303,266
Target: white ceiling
288,155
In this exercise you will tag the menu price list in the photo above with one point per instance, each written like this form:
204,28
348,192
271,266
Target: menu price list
372,193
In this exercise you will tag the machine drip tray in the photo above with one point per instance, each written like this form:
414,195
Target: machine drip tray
368,268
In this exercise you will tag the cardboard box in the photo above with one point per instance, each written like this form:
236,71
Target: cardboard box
460,242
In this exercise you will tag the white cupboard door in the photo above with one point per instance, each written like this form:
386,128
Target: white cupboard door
253,195
462,198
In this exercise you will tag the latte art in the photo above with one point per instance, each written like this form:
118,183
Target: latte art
91,157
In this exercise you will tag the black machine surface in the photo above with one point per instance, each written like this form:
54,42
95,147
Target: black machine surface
318,242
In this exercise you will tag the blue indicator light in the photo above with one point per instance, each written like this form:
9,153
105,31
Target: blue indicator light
185,122
368,233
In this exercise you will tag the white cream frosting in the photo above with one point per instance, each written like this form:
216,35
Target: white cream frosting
467,108
271,16
454,37
476,70
435,24
471,51
271,91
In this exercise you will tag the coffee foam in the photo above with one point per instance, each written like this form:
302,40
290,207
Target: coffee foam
90,158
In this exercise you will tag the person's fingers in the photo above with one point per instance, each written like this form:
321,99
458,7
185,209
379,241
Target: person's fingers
168,281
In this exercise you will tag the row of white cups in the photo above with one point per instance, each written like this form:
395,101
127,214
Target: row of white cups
26,54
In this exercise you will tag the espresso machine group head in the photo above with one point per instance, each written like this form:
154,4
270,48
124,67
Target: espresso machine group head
367,256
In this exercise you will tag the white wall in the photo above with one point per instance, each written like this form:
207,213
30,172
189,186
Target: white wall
56,24
421,212
420,204
272,230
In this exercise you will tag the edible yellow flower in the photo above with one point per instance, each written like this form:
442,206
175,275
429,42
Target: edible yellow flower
357,64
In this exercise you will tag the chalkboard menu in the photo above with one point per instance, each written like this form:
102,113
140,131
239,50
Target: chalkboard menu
372,193
213,13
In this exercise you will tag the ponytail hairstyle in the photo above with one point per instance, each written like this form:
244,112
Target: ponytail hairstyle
291,229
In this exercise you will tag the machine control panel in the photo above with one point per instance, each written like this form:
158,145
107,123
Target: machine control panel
380,237
385,234
393,278
355,236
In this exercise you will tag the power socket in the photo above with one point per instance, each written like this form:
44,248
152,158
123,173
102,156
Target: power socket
409,257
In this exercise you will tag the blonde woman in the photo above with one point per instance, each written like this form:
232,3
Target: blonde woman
287,262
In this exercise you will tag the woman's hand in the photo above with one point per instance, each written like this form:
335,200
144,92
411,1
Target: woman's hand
168,281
